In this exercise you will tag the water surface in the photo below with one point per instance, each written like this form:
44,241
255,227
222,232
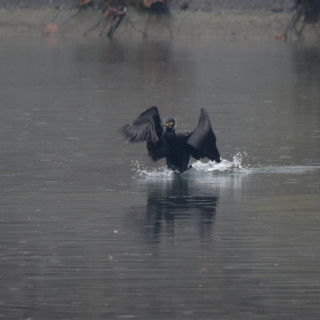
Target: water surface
90,228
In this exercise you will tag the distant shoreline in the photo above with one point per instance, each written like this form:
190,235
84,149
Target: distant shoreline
177,24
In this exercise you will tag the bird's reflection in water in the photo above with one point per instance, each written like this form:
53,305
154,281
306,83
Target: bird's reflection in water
179,203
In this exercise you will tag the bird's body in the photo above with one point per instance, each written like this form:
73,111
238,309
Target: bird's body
177,148
176,151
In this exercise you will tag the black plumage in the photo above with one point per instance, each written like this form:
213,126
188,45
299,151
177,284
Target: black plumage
164,142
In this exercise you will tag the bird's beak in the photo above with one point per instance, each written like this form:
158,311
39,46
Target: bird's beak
169,124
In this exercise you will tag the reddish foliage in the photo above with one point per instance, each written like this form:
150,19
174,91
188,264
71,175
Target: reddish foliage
50,29
110,13
113,12
83,3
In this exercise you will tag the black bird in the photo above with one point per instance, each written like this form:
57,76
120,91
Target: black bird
177,148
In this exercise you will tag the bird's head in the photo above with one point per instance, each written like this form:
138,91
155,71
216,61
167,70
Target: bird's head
170,124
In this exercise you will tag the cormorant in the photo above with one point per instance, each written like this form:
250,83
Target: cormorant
177,148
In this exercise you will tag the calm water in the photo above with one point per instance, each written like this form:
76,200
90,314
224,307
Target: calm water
90,228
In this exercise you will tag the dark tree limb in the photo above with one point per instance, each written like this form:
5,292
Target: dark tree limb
305,12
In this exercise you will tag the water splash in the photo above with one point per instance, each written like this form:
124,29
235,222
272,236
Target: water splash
225,166
234,166
160,172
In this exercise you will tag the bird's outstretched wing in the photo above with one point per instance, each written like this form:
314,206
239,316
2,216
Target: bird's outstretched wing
202,141
147,127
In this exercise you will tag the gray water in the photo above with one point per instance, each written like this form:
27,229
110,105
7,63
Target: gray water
90,228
